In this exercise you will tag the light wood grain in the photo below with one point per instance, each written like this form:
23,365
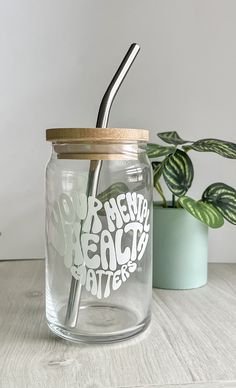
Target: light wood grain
214,384
192,338
97,134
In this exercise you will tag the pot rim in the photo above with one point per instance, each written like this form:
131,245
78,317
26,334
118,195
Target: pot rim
157,205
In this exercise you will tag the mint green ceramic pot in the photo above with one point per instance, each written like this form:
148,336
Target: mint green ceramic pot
180,249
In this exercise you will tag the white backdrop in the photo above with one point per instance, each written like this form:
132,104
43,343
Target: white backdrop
57,57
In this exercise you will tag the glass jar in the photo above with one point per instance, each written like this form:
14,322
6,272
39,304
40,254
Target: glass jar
98,233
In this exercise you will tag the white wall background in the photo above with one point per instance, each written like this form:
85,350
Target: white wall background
57,57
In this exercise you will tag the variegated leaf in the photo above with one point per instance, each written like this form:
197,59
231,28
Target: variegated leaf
178,172
113,191
156,150
172,137
204,212
223,197
221,147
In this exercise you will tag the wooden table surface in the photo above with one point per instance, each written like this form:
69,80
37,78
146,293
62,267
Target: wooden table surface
191,342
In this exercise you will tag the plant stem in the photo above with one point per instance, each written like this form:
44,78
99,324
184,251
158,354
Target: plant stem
173,200
160,191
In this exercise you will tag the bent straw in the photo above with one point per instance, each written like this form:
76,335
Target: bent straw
95,167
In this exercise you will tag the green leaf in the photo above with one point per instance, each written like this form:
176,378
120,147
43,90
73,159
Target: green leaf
223,197
156,150
204,212
157,171
178,172
221,147
113,191
172,137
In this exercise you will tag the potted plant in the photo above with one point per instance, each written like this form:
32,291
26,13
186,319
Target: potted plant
181,226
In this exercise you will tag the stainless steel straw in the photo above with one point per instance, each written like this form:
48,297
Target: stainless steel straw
95,167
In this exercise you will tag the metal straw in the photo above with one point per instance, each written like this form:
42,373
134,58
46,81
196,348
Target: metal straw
95,167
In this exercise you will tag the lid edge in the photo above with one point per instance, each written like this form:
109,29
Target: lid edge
96,134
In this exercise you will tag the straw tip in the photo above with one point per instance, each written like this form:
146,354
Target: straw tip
135,45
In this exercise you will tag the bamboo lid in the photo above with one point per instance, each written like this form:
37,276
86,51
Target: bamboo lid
96,134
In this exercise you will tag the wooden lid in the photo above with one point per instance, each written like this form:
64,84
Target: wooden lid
96,134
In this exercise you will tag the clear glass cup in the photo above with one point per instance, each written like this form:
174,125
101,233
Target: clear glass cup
98,244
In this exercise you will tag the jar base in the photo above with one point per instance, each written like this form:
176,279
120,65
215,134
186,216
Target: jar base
102,324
